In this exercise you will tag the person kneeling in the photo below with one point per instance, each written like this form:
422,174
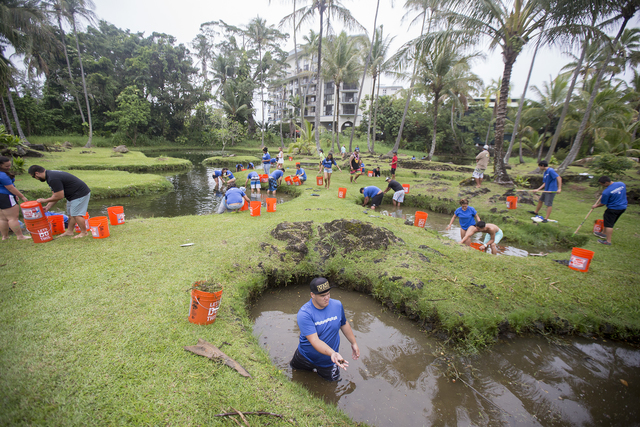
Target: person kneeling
491,239
233,199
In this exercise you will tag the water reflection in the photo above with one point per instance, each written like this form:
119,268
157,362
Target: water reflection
404,378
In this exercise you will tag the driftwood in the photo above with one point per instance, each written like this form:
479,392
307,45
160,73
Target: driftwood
242,415
209,350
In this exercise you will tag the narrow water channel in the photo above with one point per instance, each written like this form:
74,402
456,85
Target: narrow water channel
404,378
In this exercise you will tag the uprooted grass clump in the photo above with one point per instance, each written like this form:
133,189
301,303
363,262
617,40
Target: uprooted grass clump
207,286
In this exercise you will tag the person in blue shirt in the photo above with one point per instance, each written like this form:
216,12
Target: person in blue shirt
250,166
266,160
226,173
9,207
239,167
275,179
614,197
552,182
466,215
301,174
327,165
372,193
254,177
218,182
233,199
320,321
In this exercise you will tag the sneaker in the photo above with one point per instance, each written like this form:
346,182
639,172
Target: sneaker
604,242
544,220
601,235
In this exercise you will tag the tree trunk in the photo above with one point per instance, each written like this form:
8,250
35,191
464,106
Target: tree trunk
573,153
261,96
318,88
15,116
373,89
501,176
84,84
375,118
66,57
336,115
520,142
295,50
5,116
436,97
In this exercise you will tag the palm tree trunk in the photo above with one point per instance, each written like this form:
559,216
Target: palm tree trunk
521,104
567,102
5,116
373,90
84,84
435,124
15,116
520,151
501,176
261,95
295,50
336,115
66,57
375,118
573,153
318,87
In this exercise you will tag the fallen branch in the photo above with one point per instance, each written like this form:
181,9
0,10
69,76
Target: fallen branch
242,414
551,284
210,351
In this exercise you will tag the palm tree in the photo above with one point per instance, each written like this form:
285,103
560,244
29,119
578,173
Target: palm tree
550,100
509,25
333,9
342,65
378,66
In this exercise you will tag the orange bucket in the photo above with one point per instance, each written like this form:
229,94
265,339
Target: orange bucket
580,259
512,202
86,223
296,180
245,207
254,208
116,215
99,227
370,173
264,178
476,245
35,224
406,188
271,204
342,193
420,219
32,210
57,224
290,159
204,307
598,227
319,180
288,180
42,233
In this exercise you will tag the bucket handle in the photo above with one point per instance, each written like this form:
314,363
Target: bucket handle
207,308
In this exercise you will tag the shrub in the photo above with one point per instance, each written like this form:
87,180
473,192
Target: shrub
610,165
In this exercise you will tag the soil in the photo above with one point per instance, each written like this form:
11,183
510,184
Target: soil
207,286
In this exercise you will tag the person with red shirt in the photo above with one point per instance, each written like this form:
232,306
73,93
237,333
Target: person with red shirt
394,164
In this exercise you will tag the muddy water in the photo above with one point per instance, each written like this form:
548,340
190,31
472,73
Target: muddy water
404,378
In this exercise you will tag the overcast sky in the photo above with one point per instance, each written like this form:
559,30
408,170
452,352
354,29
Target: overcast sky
182,19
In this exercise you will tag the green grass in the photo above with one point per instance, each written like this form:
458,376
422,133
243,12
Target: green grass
93,330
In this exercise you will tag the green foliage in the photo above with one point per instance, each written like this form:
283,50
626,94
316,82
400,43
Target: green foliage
305,144
8,139
610,165
18,165
133,112
521,181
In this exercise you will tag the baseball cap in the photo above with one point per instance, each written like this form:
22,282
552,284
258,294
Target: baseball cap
486,147
387,179
320,285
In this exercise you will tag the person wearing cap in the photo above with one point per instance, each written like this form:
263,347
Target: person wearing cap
394,164
398,195
233,199
482,162
354,164
372,193
320,321
266,160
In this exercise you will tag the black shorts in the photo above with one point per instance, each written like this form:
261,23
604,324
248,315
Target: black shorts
377,199
7,201
393,171
331,373
611,217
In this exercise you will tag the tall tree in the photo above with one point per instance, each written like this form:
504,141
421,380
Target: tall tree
378,66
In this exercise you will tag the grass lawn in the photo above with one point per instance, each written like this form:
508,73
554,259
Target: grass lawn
93,330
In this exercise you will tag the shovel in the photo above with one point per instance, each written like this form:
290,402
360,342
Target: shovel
585,218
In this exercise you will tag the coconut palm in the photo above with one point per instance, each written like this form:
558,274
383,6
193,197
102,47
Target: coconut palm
550,100
379,65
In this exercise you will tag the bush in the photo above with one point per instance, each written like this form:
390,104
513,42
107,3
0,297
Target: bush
610,165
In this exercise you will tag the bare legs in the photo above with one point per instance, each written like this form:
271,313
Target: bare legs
9,220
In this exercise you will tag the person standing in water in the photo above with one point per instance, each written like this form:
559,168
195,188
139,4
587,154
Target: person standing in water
266,160
466,215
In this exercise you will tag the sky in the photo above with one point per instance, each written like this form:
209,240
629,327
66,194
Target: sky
182,19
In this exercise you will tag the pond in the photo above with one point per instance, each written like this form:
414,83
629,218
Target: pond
403,377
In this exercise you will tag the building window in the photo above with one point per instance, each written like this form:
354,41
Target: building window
348,109
328,110
328,99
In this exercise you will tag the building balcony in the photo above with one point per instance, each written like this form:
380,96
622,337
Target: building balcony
350,86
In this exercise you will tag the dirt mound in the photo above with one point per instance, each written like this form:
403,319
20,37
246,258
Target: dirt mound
353,235
296,234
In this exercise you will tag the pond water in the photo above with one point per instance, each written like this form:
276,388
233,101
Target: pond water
404,378
193,194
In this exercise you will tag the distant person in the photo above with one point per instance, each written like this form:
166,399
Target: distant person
281,159
301,174
398,195
65,186
275,180
467,216
343,151
320,321
321,155
239,167
9,207
394,164
327,165
250,166
230,178
482,162
413,157
266,160
614,197
551,182
254,177
354,165
218,182
491,239
233,199
372,193
376,172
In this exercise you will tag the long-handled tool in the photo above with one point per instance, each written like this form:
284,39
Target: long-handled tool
585,218
536,191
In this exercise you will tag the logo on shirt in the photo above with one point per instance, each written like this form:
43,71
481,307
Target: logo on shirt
330,319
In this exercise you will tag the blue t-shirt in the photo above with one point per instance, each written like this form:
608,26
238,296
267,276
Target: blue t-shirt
251,165
328,163
326,323
230,175
371,191
276,174
217,174
273,161
615,196
253,176
5,180
266,158
467,218
301,172
234,195
550,180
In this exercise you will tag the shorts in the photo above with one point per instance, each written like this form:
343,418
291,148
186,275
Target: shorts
547,198
78,207
393,171
328,171
266,167
273,184
499,237
611,217
377,199
398,196
478,173
7,201
330,373
355,171
255,184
